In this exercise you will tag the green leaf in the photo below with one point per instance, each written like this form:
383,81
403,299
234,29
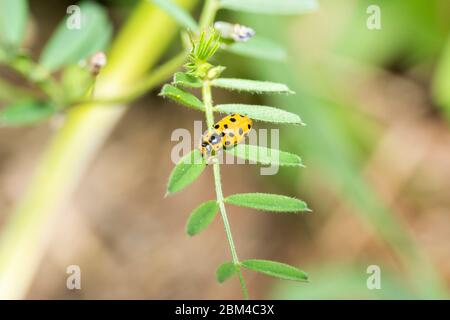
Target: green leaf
267,202
26,112
201,217
261,113
225,271
251,85
182,17
70,45
284,7
186,171
185,98
76,82
265,156
186,80
275,269
13,21
260,48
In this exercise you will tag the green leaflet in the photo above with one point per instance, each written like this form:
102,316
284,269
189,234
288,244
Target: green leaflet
185,98
186,171
260,48
225,271
281,7
267,202
70,45
182,17
265,156
186,80
261,113
13,21
251,85
26,112
201,217
275,269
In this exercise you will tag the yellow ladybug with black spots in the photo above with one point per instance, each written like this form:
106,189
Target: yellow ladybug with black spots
227,132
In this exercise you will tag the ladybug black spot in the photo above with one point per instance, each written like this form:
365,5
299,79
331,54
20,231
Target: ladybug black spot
217,126
222,134
231,134
227,143
249,126
232,119
225,126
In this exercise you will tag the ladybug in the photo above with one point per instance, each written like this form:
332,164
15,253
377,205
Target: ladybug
226,133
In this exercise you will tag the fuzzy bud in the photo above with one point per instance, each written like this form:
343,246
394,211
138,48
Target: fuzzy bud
96,62
237,32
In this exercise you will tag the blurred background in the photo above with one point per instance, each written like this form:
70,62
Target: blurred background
376,149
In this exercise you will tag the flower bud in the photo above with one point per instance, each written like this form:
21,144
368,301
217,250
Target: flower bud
96,62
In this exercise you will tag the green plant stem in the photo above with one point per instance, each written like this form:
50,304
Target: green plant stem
148,82
207,100
209,13
26,233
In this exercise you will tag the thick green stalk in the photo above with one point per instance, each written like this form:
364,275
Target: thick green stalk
207,100
137,48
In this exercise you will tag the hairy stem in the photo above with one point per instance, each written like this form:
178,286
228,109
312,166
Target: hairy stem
148,82
207,100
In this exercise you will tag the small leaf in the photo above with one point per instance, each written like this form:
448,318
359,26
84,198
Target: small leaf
267,202
275,269
265,156
225,271
186,171
13,21
185,98
186,80
260,48
26,112
201,217
251,86
284,7
261,113
182,17
70,45
76,82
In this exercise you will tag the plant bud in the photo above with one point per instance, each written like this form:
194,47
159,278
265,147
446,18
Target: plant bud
96,62
237,32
